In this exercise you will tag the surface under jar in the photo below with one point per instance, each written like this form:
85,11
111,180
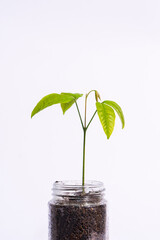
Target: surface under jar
78,212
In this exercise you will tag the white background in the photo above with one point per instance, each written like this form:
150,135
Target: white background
75,46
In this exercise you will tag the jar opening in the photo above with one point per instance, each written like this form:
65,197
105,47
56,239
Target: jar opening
73,191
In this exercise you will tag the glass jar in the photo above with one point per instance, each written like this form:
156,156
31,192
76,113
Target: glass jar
78,212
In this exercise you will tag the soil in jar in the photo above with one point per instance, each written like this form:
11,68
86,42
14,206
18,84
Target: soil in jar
77,222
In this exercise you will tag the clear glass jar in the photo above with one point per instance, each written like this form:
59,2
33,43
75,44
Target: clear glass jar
78,212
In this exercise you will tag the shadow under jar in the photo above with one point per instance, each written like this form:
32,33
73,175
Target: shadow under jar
78,212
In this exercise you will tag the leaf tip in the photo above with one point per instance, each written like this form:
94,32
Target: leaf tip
32,114
108,136
123,125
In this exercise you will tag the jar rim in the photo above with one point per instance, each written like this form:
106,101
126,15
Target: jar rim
75,186
77,183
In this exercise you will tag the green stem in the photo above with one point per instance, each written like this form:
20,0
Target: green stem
84,146
84,141
84,133
79,114
91,119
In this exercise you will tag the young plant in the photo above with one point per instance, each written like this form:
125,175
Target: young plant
106,112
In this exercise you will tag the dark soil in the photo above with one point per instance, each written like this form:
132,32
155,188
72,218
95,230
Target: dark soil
77,222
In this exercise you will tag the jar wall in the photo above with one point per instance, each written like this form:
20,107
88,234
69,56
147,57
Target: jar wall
77,212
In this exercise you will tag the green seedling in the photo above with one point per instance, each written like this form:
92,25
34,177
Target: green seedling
105,110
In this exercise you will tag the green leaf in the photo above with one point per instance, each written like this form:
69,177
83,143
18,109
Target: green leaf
49,100
75,95
107,118
66,106
118,109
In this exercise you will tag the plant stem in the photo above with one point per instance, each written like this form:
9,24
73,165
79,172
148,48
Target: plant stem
84,140
91,119
79,114
84,145
85,113
84,133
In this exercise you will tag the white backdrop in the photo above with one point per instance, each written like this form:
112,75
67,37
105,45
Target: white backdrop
53,46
